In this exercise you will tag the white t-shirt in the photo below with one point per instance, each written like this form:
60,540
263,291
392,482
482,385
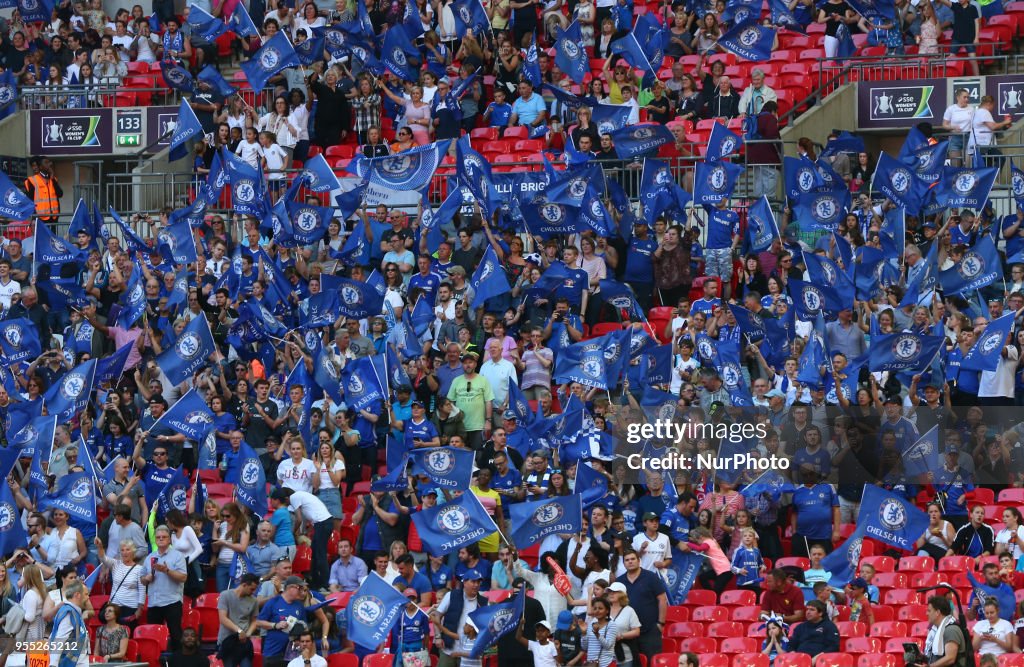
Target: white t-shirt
250,152
7,291
311,507
543,654
298,477
1000,381
982,135
315,661
275,157
687,365
325,477
625,621
468,607
657,549
959,117
1004,538
1002,629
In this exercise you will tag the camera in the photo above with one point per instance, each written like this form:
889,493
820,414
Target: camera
912,656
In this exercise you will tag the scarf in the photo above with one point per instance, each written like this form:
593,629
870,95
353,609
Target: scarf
79,634
934,645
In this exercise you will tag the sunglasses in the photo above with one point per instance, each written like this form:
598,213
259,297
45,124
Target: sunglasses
159,453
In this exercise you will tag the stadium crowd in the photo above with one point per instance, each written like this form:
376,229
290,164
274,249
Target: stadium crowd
497,377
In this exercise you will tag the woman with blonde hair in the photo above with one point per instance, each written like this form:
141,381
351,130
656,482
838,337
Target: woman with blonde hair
33,599
128,592
330,466
627,622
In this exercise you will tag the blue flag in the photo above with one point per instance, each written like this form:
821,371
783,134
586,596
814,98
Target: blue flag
109,369
75,494
241,23
810,299
83,221
749,40
69,395
489,279
634,140
211,77
842,563
965,188
620,296
49,249
449,527
681,575
396,479
899,183
187,131
782,17
722,143
312,50
396,52
203,24
903,352
176,244
823,271
570,56
609,117
495,621
373,610
762,229
986,352
358,300
815,356
33,433
772,482
409,170
801,176
469,15
582,362
531,522
591,485
35,11
1017,184
8,94
275,55
923,456
326,375
659,364
823,208
751,325
570,187
174,495
177,77
240,565
317,175
633,53
447,467
361,384
890,518
189,416
713,182
19,339
251,487
979,267
189,353
12,532
844,143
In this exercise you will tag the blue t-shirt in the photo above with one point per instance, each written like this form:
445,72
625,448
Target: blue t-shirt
156,479
814,511
959,237
679,526
500,113
966,381
722,225
441,577
410,632
281,519
639,265
419,583
527,110
274,611
482,569
572,289
510,480
1016,242
820,460
705,306
425,431
751,561
428,284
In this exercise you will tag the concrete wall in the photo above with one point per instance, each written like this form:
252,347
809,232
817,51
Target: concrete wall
839,111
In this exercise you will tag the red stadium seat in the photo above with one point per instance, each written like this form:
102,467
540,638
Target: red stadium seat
889,629
675,614
684,629
698,645
665,660
157,633
484,133
863,645
739,645
794,561
832,660
725,629
879,660
379,660
713,660
1011,660
737,598
745,614
710,614
891,580
917,564
517,132
209,623
343,660
899,596
794,660
956,564
913,612
207,600
303,560
920,629
851,628
880,563
895,644
750,660
148,650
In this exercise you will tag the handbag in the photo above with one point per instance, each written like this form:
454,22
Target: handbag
419,658
14,621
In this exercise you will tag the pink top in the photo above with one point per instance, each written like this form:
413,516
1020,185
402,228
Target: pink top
717,558
121,338
419,132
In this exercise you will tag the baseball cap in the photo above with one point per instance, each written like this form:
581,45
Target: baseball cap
929,223
509,414
564,620
472,575
294,581
650,515
892,398
775,393
456,271
859,582
618,587
416,402
543,623
410,592
471,355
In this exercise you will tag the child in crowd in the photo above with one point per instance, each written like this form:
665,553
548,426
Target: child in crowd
816,573
545,653
857,600
274,162
867,573
823,592
499,111
776,640
747,563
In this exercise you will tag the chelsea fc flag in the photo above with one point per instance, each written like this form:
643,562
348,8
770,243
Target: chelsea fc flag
449,527
373,611
533,521
890,518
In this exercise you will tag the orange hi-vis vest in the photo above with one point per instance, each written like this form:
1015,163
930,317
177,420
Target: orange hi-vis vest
47,204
